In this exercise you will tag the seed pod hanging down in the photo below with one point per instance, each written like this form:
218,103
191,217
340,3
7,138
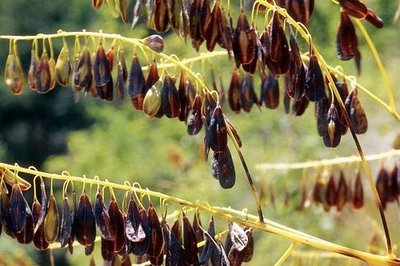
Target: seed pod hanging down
341,192
156,236
278,52
66,222
393,185
357,115
183,99
97,4
25,236
318,193
354,8
175,10
172,246
102,74
117,226
315,86
212,33
205,19
136,84
122,76
269,91
133,227
346,38
103,219
225,29
234,91
382,186
195,24
51,220
247,94
332,139
171,104
42,212
13,75
321,112
217,136
300,106
42,75
331,194
159,19
152,76
82,75
300,10
358,193
38,238
223,169
195,122
32,68
18,207
138,11
152,101
140,248
155,42
123,10
189,254
63,67
374,19
296,76
84,222
252,65
244,42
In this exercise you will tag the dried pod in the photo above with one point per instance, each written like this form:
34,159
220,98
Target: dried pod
171,104
211,32
354,8
159,19
38,238
189,256
66,222
152,76
374,19
42,75
393,185
183,98
82,75
42,213
32,68
97,4
117,225
26,235
223,169
102,74
346,38
51,220
278,49
136,84
84,224
295,78
315,86
140,248
321,112
358,192
197,229
110,57
237,257
382,186
300,106
331,194
357,115
152,101
318,193
133,227
155,42
341,192
17,207
63,67
300,10
244,42
205,19
122,76
13,74
195,122
332,139
269,91
107,250
238,236
123,10
175,9
211,246
217,136
103,219
172,246
156,236
225,29
195,24
234,91
137,12
247,94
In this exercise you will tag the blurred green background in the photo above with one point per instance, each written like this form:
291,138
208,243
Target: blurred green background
54,133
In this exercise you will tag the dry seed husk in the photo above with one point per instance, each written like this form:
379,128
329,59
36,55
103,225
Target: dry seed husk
331,195
141,248
234,92
269,92
156,236
123,10
217,136
299,10
171,104
223,169
332,139
152,101
195,24
82,75
244,41
197,228
84,222
38,238
195,123
155,42
247,94
63,67
382,186
393,185
321,111
5,210
136,84
43,204
225,31
315,86
26,234
210,247
137,12
357,116
51,220
238,236
189,255
13,74
183,98
318,193
107,250
175,9
117,224
374,19
133,227
212,35
103,219
66,222
342,192
122,76
279,54
17,210
102,74
300,106
159,19
172,246
286,101
205,19
110,57
354,8
97,4
32,69
358,192
346,38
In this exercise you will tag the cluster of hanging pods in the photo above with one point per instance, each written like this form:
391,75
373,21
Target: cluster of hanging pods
130,229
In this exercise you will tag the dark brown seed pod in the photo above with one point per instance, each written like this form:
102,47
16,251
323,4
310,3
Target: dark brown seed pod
171,104
237,257
197,228
278,52
122,76
189,254
97,4
195,122
43,204
102,74
331,194
358,192
269,91
17,207
155,42
354,8
5,210
374,19
107,250
175,10
13,74
252,65
172,246
315,86
234,91
223,169
66,222
244,41
295,77
136,84
159,19
238,236
382,186
225,30
133,227
38,238
300,106
195,24
318,193
25,236
140,248
110,57
51,220
210,247
102,218
156,236
393,185
123,10
286,102
212,34
183,98
247,94
346,38
321,112
342,192
82,75
63,67
43,75
357,115
152,76
217,136
332,139
84,222
117,225
205,19
300,10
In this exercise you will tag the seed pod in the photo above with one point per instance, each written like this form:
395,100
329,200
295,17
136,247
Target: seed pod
155,42
123,10
172,246
183,99
141,248
195,122
25,236
210,247
43,204
175,10
195,24
66,222
393,185
137,12
318,193
51,220
110,57
217,136
346,38
278,52
299,10
354,8
296,75
189,256
152,76
225,29
197,229
300,106
63,67
107,250
102,74
38,238
286,102
136,84
244,42
357,115
171,104
32,68
211,32
13,74
159,16
321,112
358,193
122,76
133,227
332,139
331,195
342,192
238,236
223,169
374,19
117,225
205,19
43,75
234,92
156,237
269,91
85,223
247,94
82,75
315,87
152,101
382,185
18,206
97,3
102,218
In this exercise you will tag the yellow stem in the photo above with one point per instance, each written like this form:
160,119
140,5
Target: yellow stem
287,253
